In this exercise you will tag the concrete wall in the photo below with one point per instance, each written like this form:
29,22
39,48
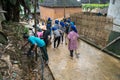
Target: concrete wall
114,12
57,12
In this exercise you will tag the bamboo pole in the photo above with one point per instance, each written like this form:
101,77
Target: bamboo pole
35,19
64,9
35,5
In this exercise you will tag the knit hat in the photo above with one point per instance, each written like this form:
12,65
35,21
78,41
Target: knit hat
56,21
62,24
54,28
68,20
74,28
66,25
49,19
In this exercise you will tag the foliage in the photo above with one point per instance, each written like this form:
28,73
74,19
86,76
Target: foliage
92,6
13,8
13,2
26,30
41,0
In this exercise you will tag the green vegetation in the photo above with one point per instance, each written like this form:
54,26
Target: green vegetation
92,6
13,8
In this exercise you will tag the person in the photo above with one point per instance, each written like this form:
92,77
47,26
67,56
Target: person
57,35
46,34
49,23
73,24
62,30
67,30
36,42
77,50
56,25
32,33
48,26
72,40
40,34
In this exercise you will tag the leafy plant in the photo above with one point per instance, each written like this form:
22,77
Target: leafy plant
92,6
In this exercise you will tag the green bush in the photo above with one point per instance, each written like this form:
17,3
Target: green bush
92,6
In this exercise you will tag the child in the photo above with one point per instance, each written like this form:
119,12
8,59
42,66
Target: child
62,30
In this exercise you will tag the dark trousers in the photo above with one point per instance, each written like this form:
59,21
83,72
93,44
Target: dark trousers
44,51
46,41
71,53
62,37
57,39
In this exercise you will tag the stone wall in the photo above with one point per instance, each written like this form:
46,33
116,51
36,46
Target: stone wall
96,29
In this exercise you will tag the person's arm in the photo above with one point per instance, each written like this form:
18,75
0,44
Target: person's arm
24,45
35,46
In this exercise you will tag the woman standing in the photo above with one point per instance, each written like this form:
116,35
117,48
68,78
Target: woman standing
72,40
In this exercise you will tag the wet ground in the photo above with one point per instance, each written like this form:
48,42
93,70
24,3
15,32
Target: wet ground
92,64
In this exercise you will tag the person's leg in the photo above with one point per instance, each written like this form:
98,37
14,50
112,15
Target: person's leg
46,42
58,39
29,51
66,38
55,42
62,37
45,55
76,53
71,53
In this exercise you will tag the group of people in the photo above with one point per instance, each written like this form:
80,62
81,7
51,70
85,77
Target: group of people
68,28
58,30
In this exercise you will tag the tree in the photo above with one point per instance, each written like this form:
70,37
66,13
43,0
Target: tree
13,8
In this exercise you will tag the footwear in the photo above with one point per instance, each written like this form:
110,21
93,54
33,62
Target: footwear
65,43
77,55
72,58
46,62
